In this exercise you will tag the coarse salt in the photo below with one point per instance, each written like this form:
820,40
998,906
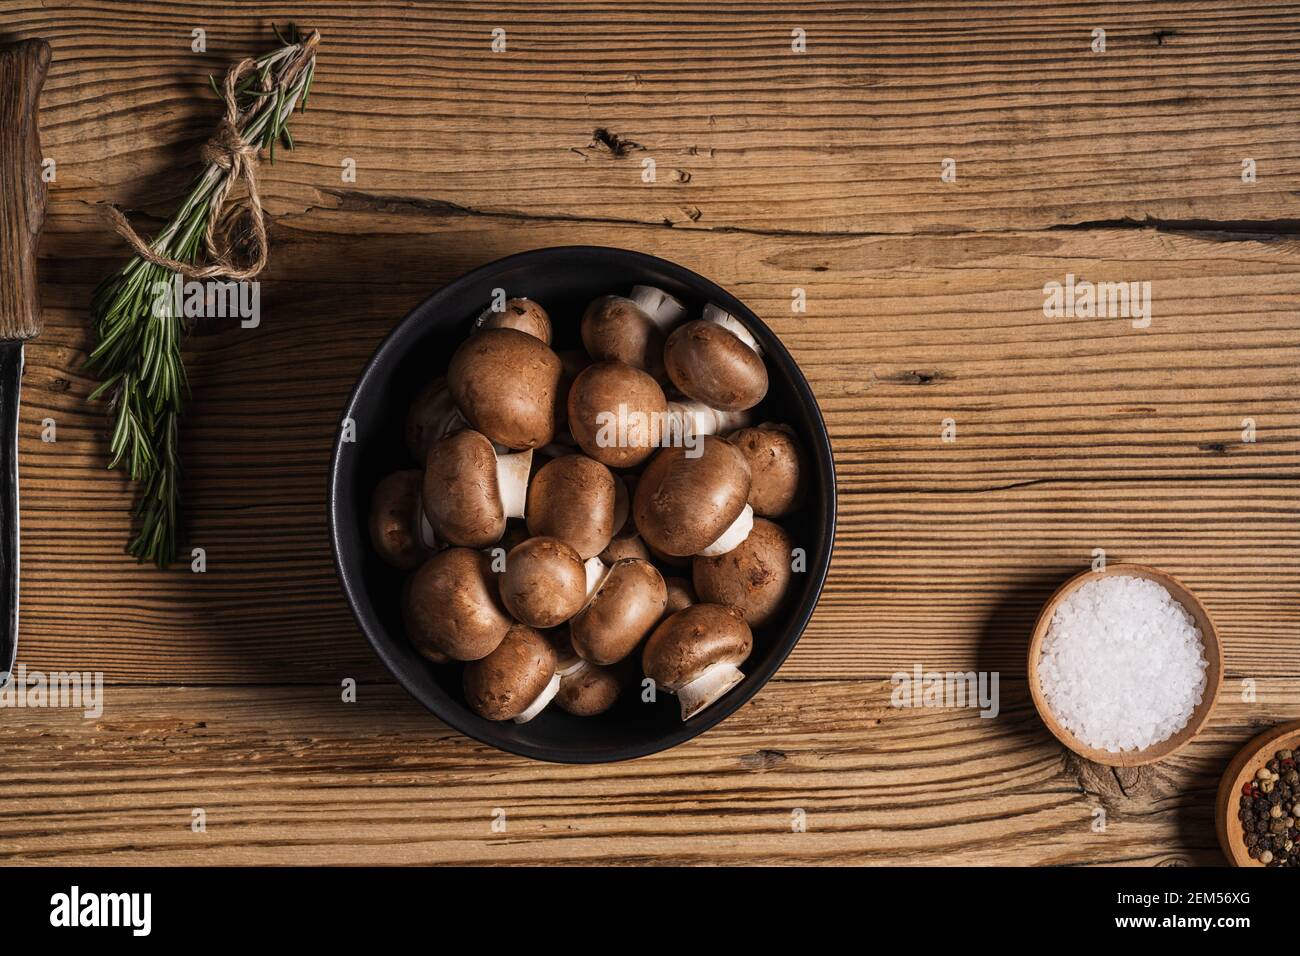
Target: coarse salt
1123,664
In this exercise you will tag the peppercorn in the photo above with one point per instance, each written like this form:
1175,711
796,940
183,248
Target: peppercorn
1269,811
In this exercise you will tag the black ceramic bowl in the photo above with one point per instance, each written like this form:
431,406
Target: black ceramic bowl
563,280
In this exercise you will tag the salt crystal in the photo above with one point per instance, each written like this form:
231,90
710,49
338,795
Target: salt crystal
1123,664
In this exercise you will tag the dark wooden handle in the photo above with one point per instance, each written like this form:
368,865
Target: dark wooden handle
22,188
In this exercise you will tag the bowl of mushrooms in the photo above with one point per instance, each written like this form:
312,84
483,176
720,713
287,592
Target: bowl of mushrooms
582,504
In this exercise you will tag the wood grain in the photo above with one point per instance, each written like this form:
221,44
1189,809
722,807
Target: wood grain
746,133
775,172
22,191
1072,434
291,775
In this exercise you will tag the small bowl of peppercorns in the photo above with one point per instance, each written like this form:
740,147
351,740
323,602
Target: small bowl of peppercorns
1258,808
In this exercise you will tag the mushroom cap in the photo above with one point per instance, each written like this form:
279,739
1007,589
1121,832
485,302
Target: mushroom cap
501,685
432,415
625,546
599,394
394,519
712,365
687,642
461,495
629,602
590,691
522,314
544,583
680,594
777,464
505,383
452,607
572,498
754,576
615,329
683,503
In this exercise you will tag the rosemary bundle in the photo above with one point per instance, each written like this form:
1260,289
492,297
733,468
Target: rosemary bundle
137,355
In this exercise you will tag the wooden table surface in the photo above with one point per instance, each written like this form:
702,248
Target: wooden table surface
776,170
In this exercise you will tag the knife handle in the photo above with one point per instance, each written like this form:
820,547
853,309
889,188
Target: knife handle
23,67
22,188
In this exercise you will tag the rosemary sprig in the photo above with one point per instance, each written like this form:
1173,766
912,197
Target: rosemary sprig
137,355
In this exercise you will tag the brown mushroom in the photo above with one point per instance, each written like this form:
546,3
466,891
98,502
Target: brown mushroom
470,491
615,412
614,329
399,531
522,314
516,681
631,330
755,576
452,607
505,382
627,546
696,654
572,498
626,604
684,504
680,594
545,582
589,690
432,415
711,362
776,463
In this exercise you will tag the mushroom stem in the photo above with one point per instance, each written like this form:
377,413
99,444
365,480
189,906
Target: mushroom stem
427,537
548,693
596,572
713,682
571,666
660,307
719,316
696,418
735,534
512,482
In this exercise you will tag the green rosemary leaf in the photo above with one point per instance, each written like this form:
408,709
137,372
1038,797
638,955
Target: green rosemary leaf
137,354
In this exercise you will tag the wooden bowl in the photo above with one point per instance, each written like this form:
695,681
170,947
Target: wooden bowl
1213,677
1248,760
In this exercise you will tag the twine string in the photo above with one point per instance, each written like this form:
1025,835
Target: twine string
227,150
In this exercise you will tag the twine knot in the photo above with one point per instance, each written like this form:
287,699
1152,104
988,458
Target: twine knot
229,152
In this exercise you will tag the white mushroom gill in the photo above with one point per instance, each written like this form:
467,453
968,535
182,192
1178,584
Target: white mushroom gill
660,307
545,697
512,481
714,681
734,536
719,316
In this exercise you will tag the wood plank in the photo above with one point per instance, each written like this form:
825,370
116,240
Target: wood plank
746,134
290,775
951,543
